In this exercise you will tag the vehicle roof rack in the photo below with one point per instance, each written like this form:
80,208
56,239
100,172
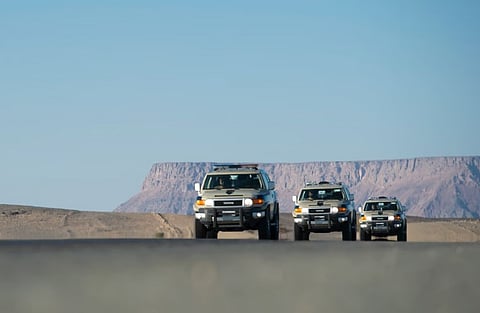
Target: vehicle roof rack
323,182
217,167
382,198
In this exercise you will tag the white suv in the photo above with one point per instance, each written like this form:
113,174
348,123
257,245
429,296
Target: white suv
236,197
322,208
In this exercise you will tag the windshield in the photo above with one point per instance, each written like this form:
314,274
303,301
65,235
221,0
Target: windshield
376,206
236,181
322,194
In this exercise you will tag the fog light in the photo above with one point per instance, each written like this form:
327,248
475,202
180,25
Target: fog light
258,214
199,215
342,219
363,225
297,220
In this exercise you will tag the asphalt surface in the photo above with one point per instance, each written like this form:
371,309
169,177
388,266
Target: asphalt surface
117,276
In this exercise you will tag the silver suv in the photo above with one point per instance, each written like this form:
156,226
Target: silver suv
322,208
382,217
236,197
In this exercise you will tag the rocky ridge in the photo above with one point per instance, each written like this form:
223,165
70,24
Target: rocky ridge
432,187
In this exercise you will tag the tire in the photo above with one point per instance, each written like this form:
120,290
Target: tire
212,234
200,230
275,226
299,234
264,229
306,235
364,236
347,233
354,228
402,236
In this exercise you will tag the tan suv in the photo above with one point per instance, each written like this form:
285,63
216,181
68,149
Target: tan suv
322,208
236,197
383,217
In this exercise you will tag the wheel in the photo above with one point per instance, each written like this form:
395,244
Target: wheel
264,229
275,226
200,230
212,234
306,235
347,232
299,233
402,236
354,228
365,236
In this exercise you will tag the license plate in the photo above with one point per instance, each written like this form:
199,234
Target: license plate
228,218
320,220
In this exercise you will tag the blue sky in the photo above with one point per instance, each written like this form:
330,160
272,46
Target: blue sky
92,93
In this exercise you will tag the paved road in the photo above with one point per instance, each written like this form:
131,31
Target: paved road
120,276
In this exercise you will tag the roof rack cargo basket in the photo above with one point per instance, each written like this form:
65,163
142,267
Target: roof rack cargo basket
235,166
382,198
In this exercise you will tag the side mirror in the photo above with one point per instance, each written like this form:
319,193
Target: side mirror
352,195
271,185
360,210
197,187
294,199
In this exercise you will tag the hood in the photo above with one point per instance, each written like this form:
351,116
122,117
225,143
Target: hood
231,193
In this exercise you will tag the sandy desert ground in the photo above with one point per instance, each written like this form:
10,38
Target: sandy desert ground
25,222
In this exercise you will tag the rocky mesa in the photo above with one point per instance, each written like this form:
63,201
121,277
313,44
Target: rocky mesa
435,187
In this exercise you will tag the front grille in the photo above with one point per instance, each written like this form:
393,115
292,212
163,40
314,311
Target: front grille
227,203
379,218
318,211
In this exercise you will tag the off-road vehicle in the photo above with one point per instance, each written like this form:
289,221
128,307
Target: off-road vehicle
382,217
322,208
236,197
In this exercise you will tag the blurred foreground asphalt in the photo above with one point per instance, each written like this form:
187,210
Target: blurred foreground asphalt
120,276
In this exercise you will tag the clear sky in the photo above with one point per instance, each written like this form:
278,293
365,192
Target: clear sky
93,92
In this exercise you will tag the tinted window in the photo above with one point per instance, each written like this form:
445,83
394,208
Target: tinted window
322,194
376,206
251,181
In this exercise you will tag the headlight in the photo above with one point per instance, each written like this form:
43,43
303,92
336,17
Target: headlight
250,202
209,202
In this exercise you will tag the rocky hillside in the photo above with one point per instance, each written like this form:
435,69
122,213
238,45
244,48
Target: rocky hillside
429,187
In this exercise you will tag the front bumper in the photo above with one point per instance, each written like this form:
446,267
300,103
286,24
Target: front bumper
322,222
232,218
382,228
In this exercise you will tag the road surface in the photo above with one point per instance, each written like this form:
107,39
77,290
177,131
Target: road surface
160,275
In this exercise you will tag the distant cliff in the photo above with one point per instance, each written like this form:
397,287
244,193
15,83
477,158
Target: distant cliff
429,187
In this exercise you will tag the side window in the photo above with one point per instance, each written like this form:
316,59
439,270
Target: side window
266,180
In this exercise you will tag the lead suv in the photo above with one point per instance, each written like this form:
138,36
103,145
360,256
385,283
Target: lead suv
382,217
236,197
322,208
